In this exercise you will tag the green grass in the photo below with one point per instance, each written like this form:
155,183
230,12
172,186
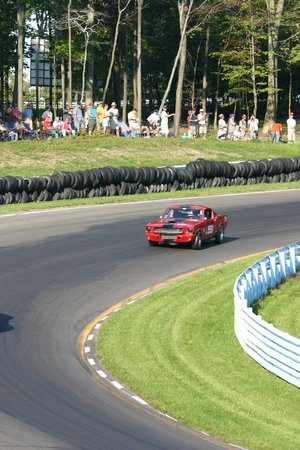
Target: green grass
177,350
35,158
282,305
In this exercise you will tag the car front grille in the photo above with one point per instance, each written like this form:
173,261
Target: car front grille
168,231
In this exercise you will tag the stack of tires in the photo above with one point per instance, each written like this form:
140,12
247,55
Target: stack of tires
111,181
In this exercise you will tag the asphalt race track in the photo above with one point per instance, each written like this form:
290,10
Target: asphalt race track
60,269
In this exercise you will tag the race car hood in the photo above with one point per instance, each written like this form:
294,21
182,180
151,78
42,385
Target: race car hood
166,223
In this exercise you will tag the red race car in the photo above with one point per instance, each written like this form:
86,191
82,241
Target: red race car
187,224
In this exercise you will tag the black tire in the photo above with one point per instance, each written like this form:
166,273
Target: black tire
153,243
220,236
197,243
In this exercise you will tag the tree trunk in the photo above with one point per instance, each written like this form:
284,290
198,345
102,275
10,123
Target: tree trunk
54,83
125,77
217,94
253,63
63,82
112,58
290,89
88,96
182,10
183,36
274,9
139,60
70,55
205,65
90,61
195,75
21,24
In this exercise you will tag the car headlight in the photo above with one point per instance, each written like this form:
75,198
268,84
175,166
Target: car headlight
148,228
190,230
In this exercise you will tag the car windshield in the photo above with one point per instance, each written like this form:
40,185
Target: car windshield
182,213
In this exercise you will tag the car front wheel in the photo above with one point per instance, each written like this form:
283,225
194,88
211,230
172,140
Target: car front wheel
197,243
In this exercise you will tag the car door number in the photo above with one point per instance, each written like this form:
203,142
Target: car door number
210,229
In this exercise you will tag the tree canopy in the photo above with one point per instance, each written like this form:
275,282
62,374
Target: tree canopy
227,56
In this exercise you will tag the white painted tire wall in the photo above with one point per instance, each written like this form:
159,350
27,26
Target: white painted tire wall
273,349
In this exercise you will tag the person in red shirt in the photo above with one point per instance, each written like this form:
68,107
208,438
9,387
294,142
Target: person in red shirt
48,128
66,128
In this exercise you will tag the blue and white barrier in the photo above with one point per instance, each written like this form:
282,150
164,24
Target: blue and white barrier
273,349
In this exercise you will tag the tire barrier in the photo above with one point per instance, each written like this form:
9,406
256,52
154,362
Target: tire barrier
273,349
111,181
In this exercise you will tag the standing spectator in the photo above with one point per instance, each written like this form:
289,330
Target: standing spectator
91,112
291,128
78,117
222,127
165,121
276,132
8,118
99,111
253,127
243,127
28,115
202,123
48,113
231,126
65,111
105,120
71,118
188,122
193,124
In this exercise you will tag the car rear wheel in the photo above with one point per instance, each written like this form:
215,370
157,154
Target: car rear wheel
197,244
220,236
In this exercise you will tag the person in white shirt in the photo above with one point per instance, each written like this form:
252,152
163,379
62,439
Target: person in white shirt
202,122
222,127
133,122
291,128
153,120
165,121
253,127
57,125
113,110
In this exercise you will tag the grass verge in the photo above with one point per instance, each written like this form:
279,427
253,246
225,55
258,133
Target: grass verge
176,349
281,306
35,158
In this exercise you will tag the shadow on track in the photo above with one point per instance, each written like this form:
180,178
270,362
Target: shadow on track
4,323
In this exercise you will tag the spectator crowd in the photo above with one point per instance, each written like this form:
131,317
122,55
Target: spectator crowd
73,121
242,130
18,125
